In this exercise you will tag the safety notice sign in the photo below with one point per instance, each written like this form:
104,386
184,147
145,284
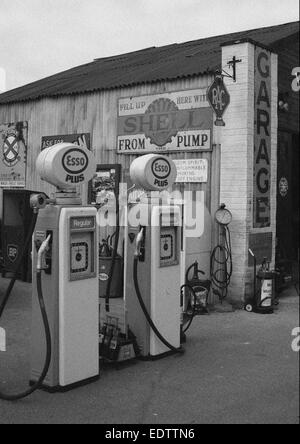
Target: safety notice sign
191,170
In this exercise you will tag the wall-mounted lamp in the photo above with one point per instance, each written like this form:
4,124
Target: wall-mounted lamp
283,102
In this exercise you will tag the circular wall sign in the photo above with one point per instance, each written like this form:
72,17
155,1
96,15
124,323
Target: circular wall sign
283,186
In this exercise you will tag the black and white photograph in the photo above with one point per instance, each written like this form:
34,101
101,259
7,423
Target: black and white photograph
149,215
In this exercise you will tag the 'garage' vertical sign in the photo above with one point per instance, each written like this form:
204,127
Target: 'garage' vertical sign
262,140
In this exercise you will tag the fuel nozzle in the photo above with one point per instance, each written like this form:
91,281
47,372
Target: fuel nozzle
139,243
42,252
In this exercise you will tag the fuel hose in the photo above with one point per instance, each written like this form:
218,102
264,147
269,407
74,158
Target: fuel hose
38,384
145,311
221,266
116,235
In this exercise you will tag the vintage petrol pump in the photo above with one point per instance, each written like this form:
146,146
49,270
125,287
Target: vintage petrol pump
152,278
70,280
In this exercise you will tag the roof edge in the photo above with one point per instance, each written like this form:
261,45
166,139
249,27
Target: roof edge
249,40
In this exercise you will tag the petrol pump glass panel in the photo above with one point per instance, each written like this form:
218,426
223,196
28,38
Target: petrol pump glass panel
79,257
168,246
82,247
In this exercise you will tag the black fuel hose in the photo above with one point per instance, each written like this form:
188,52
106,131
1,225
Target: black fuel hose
145,311
37,385
116,235
224,266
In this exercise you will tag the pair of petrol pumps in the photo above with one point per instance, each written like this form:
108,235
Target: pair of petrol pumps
65,270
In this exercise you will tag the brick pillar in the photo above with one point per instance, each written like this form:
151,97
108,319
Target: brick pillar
248,164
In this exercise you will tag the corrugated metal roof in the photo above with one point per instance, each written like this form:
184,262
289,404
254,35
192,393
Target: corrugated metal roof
145,66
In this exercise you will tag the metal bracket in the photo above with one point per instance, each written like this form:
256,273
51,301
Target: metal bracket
232,64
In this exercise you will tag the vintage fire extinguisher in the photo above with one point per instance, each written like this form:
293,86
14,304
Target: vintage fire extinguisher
262,300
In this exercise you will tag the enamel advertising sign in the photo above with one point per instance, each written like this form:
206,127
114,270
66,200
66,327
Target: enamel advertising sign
262,140
82,139
170,122
219,99
13,146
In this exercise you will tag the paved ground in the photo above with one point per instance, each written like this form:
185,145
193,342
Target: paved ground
238,368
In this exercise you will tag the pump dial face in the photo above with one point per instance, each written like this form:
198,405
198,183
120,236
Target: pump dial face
223,216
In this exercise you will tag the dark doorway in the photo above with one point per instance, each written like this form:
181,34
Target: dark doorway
287,198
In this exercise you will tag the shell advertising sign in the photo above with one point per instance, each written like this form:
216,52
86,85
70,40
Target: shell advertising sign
13,146
170,122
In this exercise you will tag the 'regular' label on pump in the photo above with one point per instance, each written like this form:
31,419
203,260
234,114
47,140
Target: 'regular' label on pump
77,223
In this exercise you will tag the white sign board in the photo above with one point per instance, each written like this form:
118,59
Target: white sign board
191,170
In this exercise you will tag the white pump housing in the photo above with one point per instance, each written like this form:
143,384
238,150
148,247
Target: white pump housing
70,281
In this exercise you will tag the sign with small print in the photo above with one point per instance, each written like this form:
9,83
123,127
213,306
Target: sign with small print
192,170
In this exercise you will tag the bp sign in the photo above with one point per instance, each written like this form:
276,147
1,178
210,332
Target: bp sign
219,99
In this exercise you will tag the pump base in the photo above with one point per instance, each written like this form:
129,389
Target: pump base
67,388
251,308
263,310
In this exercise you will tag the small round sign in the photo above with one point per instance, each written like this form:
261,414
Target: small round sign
75,161
161,168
